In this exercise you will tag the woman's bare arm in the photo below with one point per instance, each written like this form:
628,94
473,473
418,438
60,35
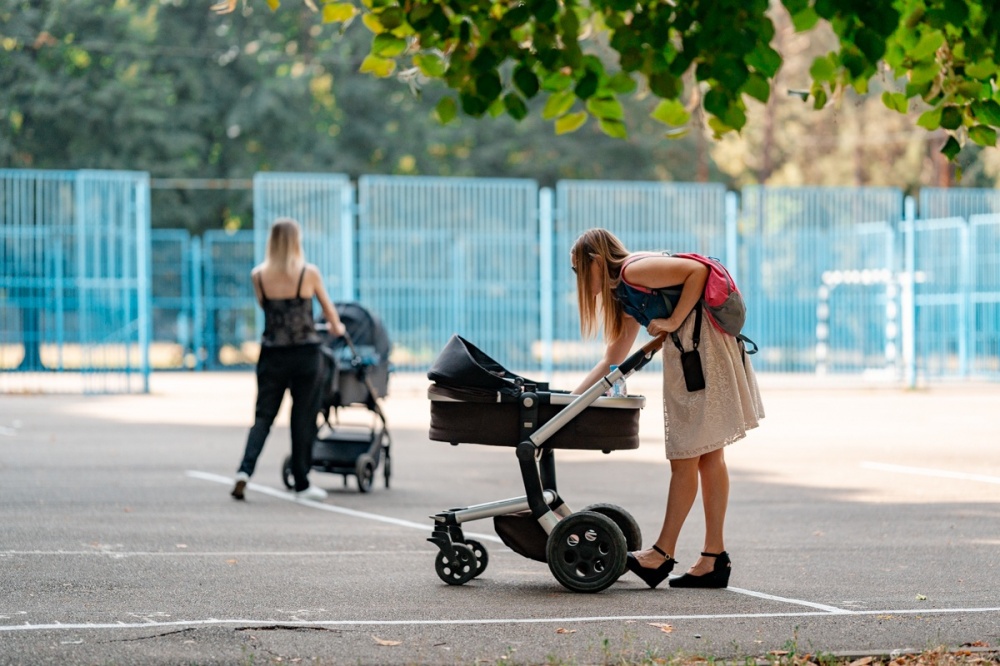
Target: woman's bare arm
329,312
615,352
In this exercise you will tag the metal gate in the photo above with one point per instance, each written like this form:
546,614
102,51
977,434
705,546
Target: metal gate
438,256
74,281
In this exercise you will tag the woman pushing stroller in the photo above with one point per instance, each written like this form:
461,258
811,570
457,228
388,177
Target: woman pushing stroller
290,357
698,422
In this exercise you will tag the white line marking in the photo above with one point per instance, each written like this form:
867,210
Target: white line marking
186,553
475,622
770,597
285,495
289,497
923,471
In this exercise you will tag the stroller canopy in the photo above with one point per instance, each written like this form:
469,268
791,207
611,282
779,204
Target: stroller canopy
463,365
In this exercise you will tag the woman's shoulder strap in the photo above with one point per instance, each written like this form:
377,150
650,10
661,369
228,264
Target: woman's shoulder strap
298,289
636,257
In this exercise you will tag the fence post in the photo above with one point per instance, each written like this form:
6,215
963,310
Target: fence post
144,271
965,331
348,211
545,271
197,306
907,298
732,232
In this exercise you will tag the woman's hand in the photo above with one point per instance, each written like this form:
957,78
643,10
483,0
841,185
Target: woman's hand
338,329
659,327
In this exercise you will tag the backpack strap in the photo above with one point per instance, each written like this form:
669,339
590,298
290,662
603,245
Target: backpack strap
696,336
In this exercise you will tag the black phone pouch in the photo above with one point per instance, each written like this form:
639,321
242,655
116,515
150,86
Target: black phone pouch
694,377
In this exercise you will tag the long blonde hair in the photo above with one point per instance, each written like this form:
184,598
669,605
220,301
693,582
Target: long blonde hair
284,245
604,248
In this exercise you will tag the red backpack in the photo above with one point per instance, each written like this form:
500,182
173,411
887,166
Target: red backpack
722,298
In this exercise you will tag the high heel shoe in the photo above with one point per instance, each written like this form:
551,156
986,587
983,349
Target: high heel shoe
651,577
716,578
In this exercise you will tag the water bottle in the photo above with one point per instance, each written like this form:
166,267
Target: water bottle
618,389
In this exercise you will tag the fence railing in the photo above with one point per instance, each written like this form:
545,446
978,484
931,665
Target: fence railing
837,280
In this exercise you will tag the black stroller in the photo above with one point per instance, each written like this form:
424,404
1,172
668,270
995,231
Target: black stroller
357,367
475,400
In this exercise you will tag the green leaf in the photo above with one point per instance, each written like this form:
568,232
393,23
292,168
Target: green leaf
981,70
488,85
716,103
987,112
515,106
930,120
983,135
613,128
526,81
951,149
339,12
605,108
430,64
446,110
823,69
924,72
678,133
387,45
557,82
571,122
757,87
380,67
805,19
664,84
928,45
558,104
622,83
671,112
587,85
895,101
951,117
765,60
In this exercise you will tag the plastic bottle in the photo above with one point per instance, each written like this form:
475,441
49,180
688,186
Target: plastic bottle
618,389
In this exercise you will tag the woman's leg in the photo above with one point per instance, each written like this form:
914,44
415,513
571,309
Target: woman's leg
306,387
715,498
680,499
270,391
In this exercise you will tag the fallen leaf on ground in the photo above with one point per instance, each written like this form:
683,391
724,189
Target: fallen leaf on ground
862,662
381,641
665,628
560,630
921,597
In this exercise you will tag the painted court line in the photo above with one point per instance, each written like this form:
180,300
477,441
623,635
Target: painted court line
323,506
287,496
476,622
923,471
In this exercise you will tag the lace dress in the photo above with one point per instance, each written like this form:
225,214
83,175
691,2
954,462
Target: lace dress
700,422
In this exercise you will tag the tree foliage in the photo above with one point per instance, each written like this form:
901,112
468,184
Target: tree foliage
496,56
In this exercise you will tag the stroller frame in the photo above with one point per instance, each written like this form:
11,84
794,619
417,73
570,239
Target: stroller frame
585,550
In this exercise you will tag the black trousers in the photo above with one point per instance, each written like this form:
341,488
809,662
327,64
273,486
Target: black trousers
300,371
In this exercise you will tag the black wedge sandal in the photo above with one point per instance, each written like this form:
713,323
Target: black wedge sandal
651,577
716,578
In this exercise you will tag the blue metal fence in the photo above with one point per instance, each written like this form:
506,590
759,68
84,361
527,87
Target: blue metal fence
438,256
837,280
816,266
74,281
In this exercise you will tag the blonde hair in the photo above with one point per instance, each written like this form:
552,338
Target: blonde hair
284,245
604,248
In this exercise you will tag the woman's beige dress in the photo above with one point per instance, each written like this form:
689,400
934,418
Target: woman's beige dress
700,422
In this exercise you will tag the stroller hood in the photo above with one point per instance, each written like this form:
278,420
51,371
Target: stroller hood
462,365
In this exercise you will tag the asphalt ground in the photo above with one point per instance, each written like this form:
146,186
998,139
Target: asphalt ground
864,519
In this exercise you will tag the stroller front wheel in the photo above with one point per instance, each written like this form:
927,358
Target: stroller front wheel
458,567
364,469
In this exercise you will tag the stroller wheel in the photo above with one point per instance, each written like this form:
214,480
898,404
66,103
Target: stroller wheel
586,551
625,522
286,473
482,557
364,468
458,567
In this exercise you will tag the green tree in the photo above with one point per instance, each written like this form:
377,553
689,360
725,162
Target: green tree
495,56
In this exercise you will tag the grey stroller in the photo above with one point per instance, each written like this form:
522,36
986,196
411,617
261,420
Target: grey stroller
357,376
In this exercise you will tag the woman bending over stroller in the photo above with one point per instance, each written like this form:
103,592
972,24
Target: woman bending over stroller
697,424
290,357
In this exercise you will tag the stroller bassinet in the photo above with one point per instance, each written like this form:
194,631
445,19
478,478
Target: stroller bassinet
357,375
475,400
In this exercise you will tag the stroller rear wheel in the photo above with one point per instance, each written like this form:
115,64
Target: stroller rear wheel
364,469
625,522
458,567
586,551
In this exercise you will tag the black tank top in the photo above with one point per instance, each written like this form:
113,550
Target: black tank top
288,322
